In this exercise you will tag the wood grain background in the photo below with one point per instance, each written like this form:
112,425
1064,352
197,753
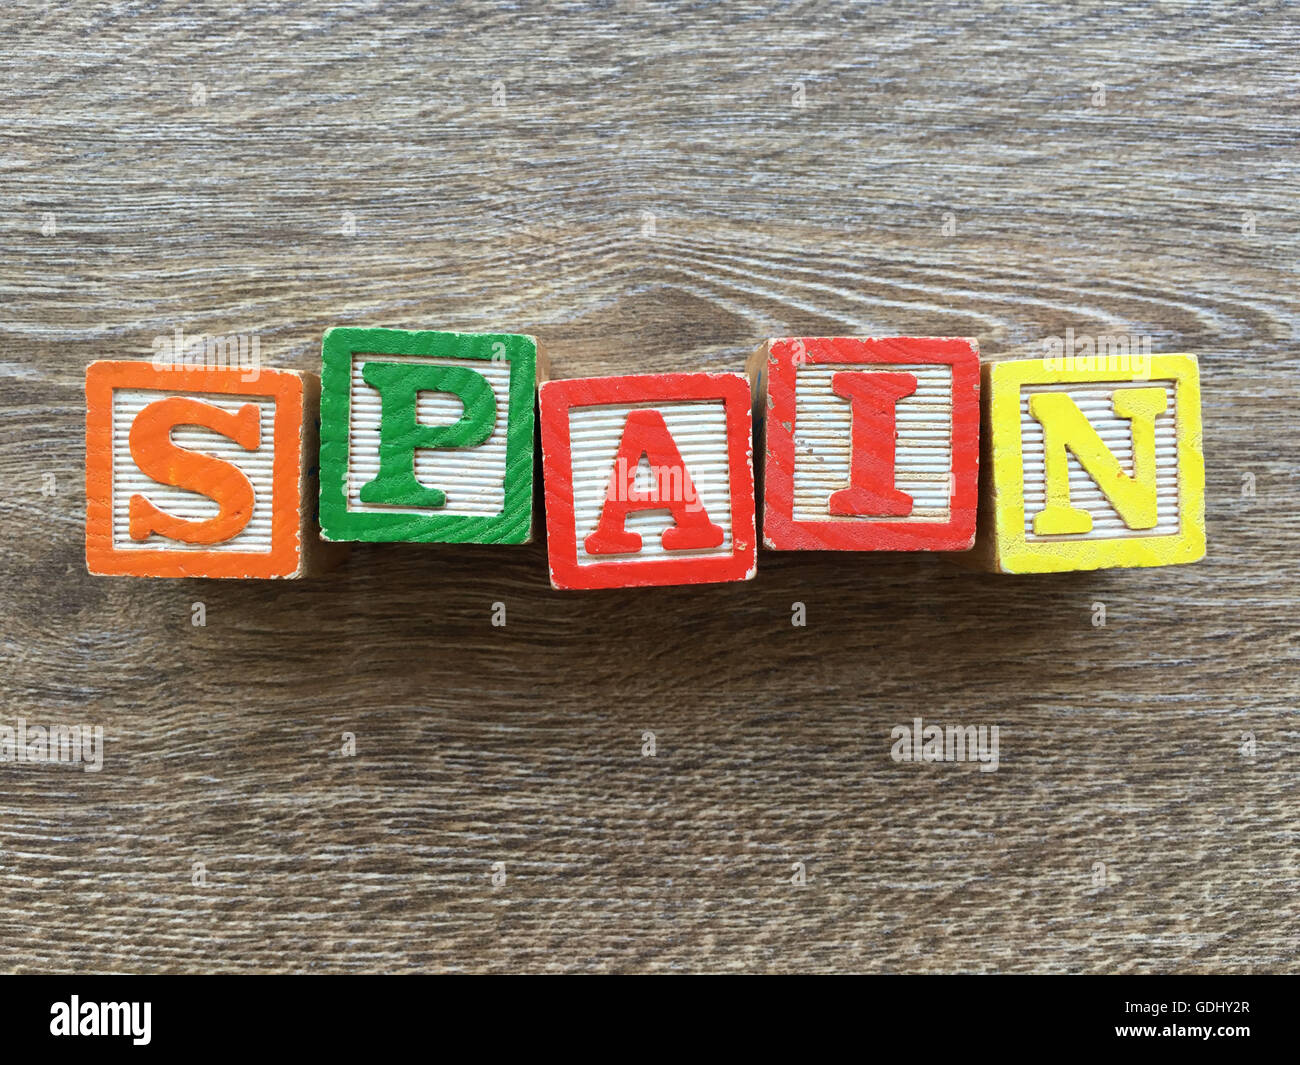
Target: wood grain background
645,192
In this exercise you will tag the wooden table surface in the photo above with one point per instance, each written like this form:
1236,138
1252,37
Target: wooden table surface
651,188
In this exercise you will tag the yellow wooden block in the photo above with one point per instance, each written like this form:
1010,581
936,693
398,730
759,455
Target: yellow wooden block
1090,464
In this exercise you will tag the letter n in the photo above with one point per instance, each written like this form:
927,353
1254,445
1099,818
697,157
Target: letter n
1067,429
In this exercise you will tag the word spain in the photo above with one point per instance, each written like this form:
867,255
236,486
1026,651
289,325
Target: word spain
863,444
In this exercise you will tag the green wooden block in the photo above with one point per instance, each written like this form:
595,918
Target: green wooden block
427,437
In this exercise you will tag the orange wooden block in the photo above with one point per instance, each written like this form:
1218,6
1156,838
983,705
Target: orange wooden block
195,472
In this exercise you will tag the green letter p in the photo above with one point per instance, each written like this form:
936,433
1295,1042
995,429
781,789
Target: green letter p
400,433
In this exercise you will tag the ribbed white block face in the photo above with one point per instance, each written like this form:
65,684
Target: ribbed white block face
699,429
1095,401
823,441
473,478
128,480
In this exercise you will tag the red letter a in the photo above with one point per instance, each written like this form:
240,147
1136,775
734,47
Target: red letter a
645,433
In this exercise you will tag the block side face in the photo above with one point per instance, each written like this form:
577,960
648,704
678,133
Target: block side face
756,371
1005,505
706,419
483,472
193,472
542,362
1097,469
318,556
927,441
983,553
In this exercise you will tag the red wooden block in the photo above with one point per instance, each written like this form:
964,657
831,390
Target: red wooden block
649,480
871,444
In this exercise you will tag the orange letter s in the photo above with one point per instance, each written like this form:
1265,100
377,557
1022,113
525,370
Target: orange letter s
158,457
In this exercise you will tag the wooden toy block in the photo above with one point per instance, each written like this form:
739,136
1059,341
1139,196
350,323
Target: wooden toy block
870,444
426,436
1091,466
649,480
194,472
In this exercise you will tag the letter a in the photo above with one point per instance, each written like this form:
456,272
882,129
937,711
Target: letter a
645,433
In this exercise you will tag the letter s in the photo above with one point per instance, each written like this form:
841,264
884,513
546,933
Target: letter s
224,483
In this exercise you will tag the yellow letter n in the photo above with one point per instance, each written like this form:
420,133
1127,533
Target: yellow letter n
1066,427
